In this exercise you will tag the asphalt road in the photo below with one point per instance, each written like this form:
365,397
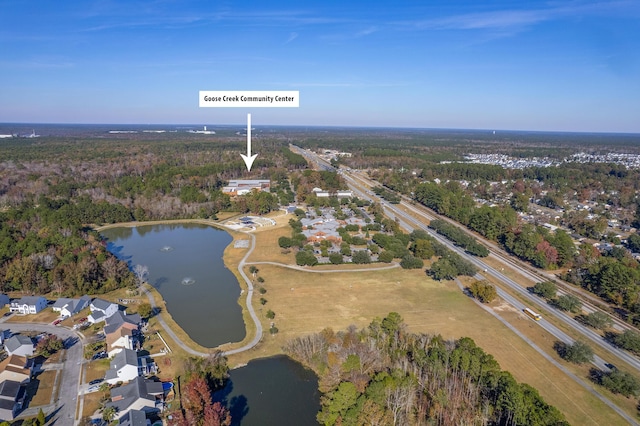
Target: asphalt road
69,380
405,220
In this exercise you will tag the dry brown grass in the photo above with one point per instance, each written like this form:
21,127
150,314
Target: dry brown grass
45,388
91,403
45,316
95,369
306,303
267,248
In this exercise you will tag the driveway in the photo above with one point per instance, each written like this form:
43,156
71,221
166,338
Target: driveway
68,382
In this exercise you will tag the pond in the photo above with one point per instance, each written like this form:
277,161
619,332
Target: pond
186,267
271,391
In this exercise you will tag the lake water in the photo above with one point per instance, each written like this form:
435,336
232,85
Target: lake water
186,267
273,391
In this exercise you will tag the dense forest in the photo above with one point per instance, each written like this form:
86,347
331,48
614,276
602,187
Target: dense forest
384,375
152,179
615,276
46,247
54,189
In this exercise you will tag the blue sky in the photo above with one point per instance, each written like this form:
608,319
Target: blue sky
521,65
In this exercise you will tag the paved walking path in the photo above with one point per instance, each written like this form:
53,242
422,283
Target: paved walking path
254,317
258,334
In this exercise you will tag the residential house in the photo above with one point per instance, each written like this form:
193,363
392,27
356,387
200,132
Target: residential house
134,418
9,404
119,319
140,394
4,300
19,345
127,365
16,368
123,367
101,310
122,331
28,305
69,307
122,338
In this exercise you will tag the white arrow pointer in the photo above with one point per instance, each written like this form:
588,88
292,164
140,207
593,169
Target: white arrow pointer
248,159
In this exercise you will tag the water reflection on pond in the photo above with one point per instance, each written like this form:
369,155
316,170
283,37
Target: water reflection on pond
186,267
271,391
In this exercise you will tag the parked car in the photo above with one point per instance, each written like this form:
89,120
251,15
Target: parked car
99,355
96,381
56,322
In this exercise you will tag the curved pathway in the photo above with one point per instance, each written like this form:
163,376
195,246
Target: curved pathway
259,330
252,313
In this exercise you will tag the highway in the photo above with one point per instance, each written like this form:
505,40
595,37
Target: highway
409,222
533,300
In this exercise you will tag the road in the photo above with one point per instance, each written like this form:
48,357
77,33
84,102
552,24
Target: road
69,380
409,222
564,369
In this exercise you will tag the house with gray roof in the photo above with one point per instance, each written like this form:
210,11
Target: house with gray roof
123,367
69,307
4,300
28,305
140,394
101,310
122,331
19,345
9,404
126,365
117,320
134,418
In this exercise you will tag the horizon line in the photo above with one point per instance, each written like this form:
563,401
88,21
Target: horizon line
354,127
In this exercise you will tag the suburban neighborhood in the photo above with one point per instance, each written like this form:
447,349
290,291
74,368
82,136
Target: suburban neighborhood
113,346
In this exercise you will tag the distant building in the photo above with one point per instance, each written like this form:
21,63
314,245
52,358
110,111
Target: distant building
243,187
320,193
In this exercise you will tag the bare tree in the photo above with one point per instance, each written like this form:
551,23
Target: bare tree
141,272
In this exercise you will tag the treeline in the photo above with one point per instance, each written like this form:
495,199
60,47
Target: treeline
304,183
385,375
295,161
165,178
46,248
459,237
615,276
500,223
387,195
